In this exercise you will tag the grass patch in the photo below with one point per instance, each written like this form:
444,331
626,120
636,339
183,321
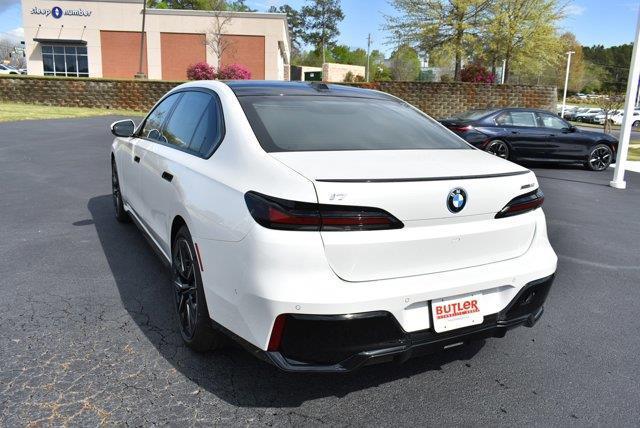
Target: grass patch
10,112
634,151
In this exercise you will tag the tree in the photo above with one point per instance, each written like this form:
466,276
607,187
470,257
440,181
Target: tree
609,66
405,64
444,25
232,6
215,38
239,6
321,18
295,20
523,33
568,43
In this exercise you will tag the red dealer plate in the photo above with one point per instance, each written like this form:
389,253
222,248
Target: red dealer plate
456,312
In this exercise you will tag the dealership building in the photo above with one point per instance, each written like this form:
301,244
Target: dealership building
103,39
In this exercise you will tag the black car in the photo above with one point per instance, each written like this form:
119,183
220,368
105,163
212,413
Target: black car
520,134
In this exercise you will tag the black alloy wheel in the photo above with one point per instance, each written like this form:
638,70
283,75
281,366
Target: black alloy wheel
600,158
498,148
121,215
193,314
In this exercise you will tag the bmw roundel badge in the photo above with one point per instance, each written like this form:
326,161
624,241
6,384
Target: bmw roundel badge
456,200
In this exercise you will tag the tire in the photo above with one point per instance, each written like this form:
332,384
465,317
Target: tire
600,157
636,124
118,206
498,148
190,302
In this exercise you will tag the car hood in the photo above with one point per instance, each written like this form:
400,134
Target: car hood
395,164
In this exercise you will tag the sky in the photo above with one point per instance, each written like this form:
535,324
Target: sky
608,23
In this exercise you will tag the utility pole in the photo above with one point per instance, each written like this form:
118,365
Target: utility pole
625,133
368,54
141,74
566,83
504,68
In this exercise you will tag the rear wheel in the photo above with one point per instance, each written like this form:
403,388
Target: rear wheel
600,157
191,305
636,124
498,148
121,215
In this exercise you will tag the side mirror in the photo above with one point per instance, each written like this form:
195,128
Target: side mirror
569,129
123,128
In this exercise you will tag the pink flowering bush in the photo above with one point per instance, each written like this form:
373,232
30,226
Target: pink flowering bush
201,71
476,73
204,71
234,72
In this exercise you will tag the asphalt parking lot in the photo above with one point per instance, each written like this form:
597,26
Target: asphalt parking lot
88,336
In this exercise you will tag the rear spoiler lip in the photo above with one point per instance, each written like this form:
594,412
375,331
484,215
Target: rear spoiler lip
401,180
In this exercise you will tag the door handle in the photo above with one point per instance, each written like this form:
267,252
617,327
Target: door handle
514,132
136,159
167,176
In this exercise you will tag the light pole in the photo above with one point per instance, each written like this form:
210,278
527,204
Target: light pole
141,74
625,133
368,53
504,68
566,83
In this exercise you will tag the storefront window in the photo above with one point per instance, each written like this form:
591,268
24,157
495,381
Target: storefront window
70,61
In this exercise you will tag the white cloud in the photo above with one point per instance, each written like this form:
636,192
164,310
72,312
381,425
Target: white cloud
17,32
574,9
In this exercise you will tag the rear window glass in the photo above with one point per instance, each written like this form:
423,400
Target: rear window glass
325,123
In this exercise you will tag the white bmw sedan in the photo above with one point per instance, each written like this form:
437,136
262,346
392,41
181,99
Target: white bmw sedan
328,227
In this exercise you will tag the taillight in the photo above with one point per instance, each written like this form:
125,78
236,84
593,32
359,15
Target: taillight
276,213
522,204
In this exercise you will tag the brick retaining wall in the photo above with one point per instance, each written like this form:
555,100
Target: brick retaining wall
437,99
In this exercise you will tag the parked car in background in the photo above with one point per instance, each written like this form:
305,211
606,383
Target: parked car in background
571,114
323,238
616,119
533,135
6,69
600,118
587,116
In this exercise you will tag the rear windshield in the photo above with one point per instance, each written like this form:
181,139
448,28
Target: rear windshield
325,123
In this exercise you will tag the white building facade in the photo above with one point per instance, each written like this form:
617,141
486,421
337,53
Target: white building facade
104,39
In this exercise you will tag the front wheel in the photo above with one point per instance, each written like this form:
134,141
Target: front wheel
636,124
600,157
191,305
498,148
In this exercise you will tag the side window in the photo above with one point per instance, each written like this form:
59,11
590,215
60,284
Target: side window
207,136
523,118
550,121
504,119
153,125
186,118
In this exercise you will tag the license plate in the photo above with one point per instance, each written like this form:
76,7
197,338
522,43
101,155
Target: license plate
456,312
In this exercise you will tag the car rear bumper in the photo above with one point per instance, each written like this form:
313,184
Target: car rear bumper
250,283
342,343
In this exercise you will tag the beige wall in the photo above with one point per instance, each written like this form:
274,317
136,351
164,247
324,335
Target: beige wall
126,15
332,72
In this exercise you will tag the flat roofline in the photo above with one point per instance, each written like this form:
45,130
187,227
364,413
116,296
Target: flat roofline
188,12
